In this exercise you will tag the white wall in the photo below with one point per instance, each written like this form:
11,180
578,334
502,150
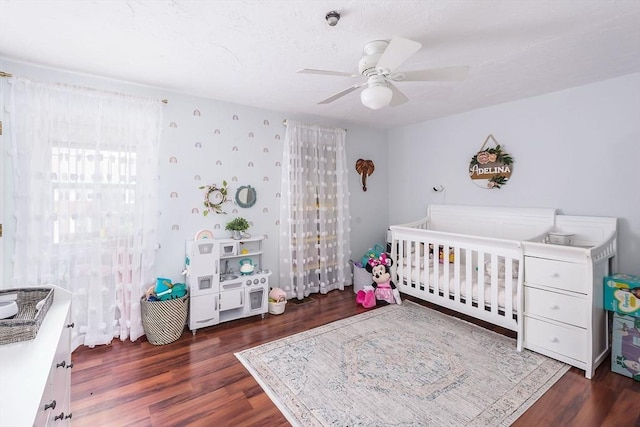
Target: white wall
247,139
577,150
246,151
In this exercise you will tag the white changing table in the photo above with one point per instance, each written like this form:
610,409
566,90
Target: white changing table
564,316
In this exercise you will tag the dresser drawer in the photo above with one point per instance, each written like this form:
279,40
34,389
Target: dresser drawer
563,308
568,341
557,274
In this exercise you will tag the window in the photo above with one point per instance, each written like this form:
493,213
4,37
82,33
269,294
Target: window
84,180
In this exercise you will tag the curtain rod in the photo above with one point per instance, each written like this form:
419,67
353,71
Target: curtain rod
284,122
5,74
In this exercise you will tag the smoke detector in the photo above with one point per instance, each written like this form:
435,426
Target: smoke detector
332,18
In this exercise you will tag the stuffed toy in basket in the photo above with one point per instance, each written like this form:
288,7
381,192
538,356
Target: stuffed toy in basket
277,301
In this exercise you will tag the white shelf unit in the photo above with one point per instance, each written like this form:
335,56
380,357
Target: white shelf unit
238,249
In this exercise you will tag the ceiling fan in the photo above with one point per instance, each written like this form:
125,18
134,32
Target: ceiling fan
379,65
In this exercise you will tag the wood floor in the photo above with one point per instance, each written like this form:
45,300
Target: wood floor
198,381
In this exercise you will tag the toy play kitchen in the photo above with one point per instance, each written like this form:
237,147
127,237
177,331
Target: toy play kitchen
218,293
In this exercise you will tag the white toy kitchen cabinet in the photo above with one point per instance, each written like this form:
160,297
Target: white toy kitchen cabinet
225,280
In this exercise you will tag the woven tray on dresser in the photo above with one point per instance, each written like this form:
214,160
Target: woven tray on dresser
25,324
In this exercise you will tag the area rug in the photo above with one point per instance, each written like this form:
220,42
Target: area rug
400,365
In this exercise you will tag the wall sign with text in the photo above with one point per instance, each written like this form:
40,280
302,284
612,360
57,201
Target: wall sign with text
491,167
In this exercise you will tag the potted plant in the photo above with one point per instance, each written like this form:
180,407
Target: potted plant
237,226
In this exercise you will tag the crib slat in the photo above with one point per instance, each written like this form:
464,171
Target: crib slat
426,269
480,275
494,283
469,278
406,250
416,261
508,286
456,273
446,268
436,271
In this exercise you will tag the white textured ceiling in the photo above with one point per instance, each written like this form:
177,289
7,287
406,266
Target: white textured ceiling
247,52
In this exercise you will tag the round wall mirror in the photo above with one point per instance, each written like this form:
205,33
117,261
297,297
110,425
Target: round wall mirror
246,196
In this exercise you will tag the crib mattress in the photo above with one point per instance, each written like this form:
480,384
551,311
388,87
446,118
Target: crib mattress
417,276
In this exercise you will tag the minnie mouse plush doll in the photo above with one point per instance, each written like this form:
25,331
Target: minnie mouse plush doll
382,288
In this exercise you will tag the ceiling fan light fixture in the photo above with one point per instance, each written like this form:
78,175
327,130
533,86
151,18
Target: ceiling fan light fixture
376,96
379,64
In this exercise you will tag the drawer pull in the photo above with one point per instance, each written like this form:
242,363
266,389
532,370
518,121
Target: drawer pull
70,365
61,364
51,405
555,307
59,417
554,339
66,417
71,325
555,275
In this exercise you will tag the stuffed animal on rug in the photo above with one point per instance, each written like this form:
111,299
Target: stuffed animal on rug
382,288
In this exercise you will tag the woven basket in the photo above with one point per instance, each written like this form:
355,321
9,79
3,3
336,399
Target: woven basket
164,321
277,307
361,278
25,324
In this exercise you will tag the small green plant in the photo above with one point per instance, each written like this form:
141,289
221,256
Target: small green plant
237,224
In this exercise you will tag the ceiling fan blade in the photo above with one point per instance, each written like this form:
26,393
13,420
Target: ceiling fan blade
342,93
433,74
326,72
398,51
398,97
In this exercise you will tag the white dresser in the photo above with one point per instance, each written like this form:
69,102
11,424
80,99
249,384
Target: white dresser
564,316
35,375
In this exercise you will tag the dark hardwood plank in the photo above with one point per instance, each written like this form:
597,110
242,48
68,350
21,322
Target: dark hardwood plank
198,381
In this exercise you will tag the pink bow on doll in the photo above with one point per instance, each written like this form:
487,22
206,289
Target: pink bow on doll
381,260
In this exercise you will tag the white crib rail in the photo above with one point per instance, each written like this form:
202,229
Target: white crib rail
451,283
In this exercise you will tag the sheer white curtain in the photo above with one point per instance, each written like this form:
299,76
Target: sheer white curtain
85,172
314,214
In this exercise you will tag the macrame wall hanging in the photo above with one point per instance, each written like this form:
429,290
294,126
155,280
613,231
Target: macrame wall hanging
491,167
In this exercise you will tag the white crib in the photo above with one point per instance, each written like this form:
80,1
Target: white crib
497,266
469,259
474,264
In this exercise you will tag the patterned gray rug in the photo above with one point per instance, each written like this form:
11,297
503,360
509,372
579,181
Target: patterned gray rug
400,365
